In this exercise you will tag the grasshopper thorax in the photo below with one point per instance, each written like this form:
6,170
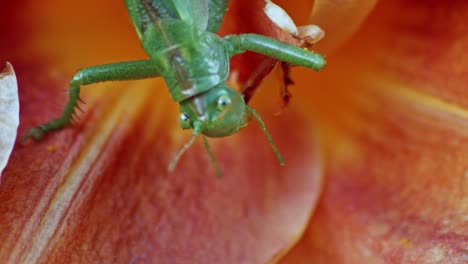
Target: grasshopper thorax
219,112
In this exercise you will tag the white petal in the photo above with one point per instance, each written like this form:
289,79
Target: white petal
280,17
311,33
9,113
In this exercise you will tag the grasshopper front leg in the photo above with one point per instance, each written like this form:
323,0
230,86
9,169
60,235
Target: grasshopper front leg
275,49
130,70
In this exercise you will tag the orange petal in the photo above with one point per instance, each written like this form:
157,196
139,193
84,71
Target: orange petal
99,191
424,47
396,141
339,19
398,194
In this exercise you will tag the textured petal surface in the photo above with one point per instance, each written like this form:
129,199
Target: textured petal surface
340,19
392,112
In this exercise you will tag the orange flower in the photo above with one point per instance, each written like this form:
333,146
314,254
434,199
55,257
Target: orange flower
378,137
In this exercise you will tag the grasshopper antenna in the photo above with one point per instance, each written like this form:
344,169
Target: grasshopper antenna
219,172
270,139
197,129
175,160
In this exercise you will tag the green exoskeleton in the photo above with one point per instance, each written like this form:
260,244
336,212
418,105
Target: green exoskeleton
179,38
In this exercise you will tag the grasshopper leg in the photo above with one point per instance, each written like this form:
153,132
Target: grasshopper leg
130,70
275,49
254,80
252,84
287,81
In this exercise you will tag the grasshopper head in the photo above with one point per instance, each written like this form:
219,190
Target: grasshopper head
219,112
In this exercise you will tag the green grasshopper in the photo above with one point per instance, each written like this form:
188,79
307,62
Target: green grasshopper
179,38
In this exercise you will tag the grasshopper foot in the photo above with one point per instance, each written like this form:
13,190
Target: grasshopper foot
36,133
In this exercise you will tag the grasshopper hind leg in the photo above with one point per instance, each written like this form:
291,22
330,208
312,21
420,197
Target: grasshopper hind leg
38,132
129,70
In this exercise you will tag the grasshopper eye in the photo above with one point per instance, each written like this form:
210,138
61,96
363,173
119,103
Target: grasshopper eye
223,102
184,121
